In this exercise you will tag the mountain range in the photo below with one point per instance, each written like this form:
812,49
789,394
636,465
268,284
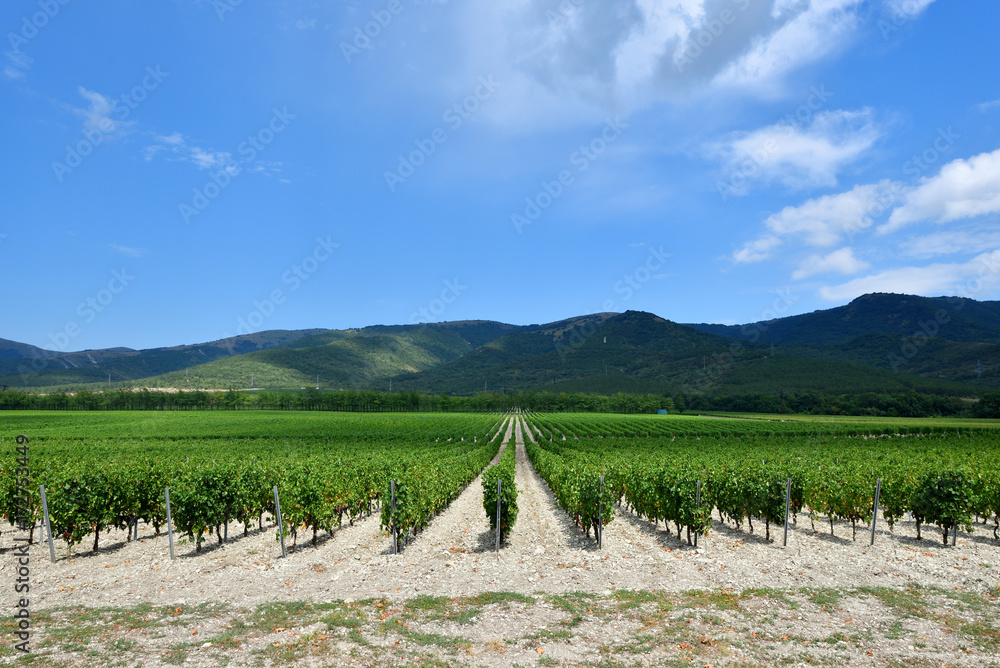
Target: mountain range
876,343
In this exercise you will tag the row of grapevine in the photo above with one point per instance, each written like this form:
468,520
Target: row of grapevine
589,425
503,472
939,479
576,484
423,487
93,486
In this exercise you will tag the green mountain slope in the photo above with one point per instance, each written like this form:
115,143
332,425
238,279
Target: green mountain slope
344,359
78,369
641,352
965,362
12,350
633,344
877,343
952,318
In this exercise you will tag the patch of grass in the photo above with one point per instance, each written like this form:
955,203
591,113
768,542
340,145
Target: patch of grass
895,630
628,599
347,618
354,635
971,600
909,602
549,634
177,654
495,597
281,615
429,661
825,599
429,603
232,637
984,634
439,608
773,594
575,603
721,599
287,654
437,640
73,629
121,645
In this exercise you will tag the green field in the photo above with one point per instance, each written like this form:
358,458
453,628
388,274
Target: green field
108,470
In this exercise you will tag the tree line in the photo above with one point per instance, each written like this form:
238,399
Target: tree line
904,404
325,400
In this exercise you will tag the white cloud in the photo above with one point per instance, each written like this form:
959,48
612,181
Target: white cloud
97,115
757,250
825,221
820,222
977,278
803,32
176,139
801,157
19,63
179,147
986,106
568,59
962,189
907,8
209,159
839,261
950,242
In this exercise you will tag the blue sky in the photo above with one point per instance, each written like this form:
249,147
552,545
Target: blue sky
180,171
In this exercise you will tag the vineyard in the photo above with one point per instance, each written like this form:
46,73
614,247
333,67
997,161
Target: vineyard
678,471
107,471
467,520
100,477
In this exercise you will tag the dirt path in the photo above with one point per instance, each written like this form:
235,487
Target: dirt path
463,527
542,527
